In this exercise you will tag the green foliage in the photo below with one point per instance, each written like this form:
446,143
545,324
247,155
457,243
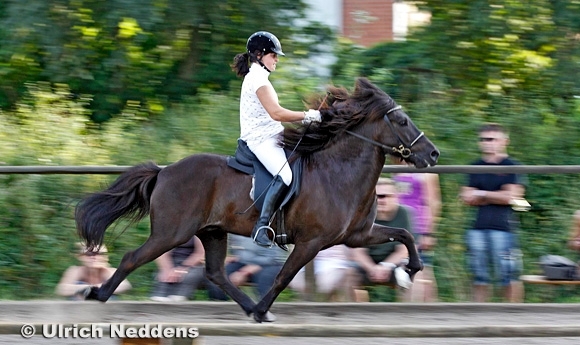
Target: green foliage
140,54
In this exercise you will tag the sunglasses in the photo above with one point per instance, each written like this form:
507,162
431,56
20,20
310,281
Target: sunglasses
382,196
487,139
93,254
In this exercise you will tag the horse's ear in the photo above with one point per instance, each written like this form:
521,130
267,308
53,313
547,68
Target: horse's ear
364,86
364,89
362,83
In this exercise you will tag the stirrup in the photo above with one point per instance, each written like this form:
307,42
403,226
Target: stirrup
267,228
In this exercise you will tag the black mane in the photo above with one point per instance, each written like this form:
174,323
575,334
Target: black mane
340,111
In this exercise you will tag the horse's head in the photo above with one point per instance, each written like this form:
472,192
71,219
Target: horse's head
369,114
393,129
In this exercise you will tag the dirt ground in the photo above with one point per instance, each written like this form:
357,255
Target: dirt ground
308,323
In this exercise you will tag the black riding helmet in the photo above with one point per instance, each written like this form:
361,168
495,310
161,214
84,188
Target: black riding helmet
265,42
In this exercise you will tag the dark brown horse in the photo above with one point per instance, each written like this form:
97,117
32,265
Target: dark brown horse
200,195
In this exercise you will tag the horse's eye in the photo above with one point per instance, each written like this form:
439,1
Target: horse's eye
403,122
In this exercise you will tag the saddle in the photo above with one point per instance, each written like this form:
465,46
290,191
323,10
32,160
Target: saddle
246,162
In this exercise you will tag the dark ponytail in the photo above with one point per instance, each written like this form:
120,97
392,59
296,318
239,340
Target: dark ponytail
241,64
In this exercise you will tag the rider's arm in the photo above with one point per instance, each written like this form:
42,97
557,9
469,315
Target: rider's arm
267,96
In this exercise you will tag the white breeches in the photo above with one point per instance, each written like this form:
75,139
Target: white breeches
273,158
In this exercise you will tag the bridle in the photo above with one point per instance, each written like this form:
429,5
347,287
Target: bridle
402,149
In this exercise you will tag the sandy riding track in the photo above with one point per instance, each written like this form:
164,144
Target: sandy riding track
367,321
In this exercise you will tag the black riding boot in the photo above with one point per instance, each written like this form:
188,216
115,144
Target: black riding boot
260,232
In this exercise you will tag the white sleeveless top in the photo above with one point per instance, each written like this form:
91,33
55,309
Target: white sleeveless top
256,125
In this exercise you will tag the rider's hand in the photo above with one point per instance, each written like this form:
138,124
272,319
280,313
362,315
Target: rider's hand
311,116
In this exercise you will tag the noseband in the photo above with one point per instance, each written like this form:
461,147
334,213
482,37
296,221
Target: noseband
402,149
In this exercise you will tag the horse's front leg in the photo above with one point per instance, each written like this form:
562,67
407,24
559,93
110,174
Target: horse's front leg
302,254
381,234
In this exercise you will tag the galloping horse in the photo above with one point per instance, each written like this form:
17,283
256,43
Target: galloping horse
200,195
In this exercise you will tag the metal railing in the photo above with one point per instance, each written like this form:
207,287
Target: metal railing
440,169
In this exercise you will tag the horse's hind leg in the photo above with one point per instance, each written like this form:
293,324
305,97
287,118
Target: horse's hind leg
149,251
215,244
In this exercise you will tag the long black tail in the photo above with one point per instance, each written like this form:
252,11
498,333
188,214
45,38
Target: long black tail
128,197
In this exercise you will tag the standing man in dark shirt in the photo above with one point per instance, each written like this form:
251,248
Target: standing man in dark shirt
492,239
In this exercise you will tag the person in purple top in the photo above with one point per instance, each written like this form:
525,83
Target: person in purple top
420,192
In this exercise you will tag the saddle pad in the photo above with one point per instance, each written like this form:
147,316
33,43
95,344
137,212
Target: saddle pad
245,161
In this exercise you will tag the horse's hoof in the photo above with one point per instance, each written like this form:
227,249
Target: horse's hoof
90,293
267,317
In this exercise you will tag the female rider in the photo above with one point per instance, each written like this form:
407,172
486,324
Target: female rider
261,118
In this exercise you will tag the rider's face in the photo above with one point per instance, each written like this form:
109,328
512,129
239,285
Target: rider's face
270,60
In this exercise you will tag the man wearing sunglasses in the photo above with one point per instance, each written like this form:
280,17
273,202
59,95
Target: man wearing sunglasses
492,238
376,264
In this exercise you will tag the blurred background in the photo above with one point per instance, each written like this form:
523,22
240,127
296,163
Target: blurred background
119,82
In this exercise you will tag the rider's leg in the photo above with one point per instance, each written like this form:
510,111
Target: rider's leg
260,232
274,160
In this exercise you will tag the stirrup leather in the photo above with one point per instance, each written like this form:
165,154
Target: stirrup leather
266,228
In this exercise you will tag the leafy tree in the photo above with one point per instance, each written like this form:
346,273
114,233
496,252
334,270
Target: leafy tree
134,54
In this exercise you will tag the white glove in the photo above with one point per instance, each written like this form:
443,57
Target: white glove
311,116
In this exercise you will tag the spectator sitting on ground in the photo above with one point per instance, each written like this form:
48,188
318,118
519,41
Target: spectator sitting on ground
330,267
181,272
249,263
375,264
94,271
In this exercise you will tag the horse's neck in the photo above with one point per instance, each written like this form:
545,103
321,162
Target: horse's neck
352,161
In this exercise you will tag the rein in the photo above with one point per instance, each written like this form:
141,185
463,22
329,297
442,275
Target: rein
402,149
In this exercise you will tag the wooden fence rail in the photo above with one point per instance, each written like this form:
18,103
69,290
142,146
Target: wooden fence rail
440,169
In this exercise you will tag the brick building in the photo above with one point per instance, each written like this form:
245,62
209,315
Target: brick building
367,22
